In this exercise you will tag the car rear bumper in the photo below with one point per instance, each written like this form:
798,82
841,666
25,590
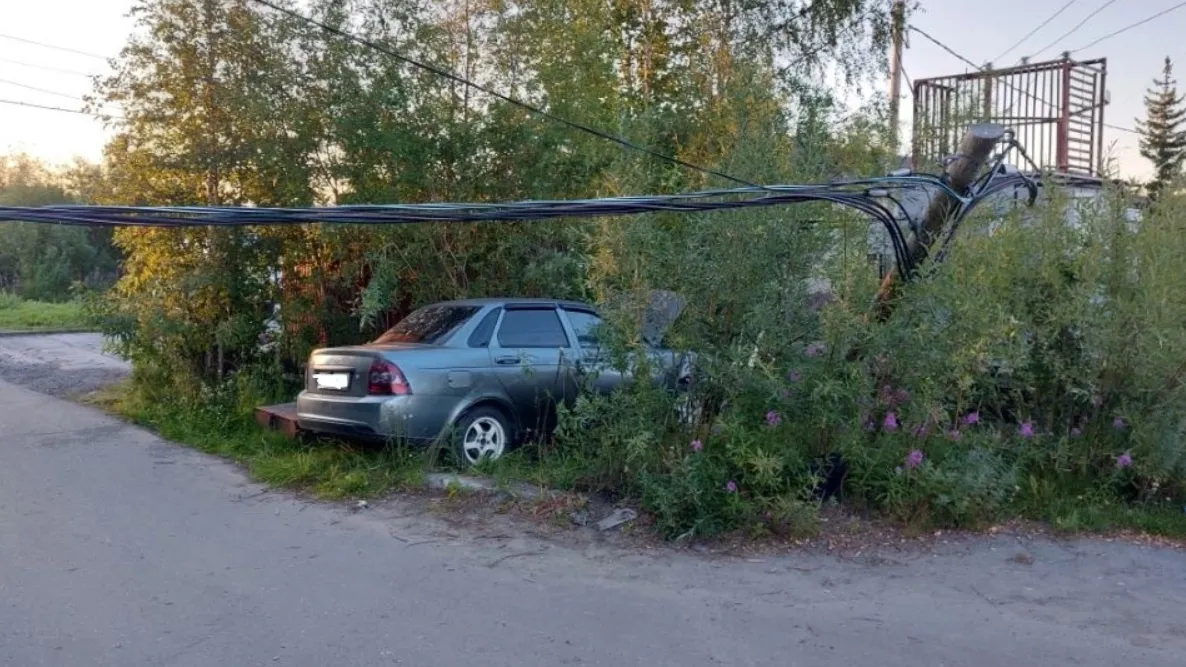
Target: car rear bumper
415,419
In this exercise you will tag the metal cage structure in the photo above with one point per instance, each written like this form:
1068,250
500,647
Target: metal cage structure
1055,109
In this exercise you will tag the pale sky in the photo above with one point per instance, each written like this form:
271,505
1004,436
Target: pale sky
973,28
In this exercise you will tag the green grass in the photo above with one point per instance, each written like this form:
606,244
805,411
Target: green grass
327,469
337,470
16,314
1075,508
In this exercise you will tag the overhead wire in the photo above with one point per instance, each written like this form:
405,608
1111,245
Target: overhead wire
457,78
41,90
1033,32
65,49
45,107
1075,29
46,68
1126,28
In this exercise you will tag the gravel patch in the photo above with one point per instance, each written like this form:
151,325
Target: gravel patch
60,365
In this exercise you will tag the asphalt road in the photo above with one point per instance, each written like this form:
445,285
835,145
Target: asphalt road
117,548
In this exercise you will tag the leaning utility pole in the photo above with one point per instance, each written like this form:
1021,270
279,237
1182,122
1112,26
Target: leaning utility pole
898,37
974,151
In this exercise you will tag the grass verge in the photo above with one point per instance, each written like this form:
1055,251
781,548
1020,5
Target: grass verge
328,469
16,314
336,470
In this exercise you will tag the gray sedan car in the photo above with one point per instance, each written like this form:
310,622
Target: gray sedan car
485,373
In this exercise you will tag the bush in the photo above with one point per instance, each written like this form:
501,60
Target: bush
1043,360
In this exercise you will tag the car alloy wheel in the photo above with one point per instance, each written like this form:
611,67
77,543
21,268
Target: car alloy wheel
484,437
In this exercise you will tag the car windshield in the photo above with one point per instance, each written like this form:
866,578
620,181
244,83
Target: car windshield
428,325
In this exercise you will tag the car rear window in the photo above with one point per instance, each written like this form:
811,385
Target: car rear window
429,325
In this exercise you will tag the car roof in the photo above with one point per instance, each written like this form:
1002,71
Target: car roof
515,301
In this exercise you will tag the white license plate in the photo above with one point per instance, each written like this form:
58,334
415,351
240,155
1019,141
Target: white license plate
335,381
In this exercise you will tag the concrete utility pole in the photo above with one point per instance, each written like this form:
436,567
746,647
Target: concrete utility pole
974,151
898,37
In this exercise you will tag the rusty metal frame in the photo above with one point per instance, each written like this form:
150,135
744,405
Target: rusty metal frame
1055,108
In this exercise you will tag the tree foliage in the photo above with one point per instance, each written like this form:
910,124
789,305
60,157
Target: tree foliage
43,262
229,103
1163,131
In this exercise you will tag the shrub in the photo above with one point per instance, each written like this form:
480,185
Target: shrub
1043,359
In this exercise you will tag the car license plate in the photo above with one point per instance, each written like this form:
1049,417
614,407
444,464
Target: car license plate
335,381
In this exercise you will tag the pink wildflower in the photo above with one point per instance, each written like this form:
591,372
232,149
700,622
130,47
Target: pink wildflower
731,486
697,445
1119,424
891,422
954,434
972,418
1124,460
1027,430
914,459
773,418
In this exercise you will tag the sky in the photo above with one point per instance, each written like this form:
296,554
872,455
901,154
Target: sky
975,29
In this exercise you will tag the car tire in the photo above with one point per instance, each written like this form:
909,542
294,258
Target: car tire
482,434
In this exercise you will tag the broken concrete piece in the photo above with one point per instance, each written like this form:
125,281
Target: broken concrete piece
446,480
616,518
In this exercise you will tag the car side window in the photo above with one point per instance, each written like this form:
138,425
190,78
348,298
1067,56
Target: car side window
532,328
587,327
485,329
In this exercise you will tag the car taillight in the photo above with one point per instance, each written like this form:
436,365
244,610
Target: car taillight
386,379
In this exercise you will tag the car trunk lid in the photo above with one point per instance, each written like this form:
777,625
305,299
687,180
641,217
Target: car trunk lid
345,371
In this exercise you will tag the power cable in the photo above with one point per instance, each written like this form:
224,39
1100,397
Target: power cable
1130,27
80,112
51,46
936,42
46,68
1072,31
864,195
1031,33
41,90
506,98
1122,129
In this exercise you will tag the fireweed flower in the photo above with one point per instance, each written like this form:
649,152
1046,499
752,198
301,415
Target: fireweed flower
773,418
1124,460
972,418
1119,424
891,422
731,486
1026,430
697,445
1076,432
914,459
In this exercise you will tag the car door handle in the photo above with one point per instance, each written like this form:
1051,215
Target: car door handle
507,361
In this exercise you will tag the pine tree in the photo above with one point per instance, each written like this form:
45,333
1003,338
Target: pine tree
1163,132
